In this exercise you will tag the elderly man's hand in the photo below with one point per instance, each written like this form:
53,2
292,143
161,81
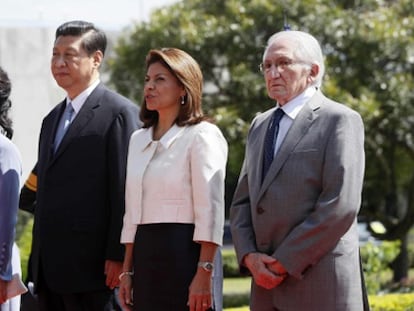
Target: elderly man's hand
267,272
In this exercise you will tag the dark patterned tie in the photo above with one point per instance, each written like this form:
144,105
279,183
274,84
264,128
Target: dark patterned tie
270,140
63,124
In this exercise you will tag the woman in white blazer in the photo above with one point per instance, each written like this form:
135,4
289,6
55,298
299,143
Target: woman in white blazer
174,212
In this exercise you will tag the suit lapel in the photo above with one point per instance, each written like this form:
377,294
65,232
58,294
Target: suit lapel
299,128
256,145
50,131
84,116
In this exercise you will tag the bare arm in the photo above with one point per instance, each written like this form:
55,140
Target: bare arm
125,285
200,294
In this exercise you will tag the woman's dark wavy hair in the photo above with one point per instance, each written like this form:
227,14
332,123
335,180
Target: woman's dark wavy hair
93,39
5,103
189,75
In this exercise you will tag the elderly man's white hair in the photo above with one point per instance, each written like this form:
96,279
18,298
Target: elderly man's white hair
308,50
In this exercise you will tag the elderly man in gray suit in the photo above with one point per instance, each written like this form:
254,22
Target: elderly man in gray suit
294,212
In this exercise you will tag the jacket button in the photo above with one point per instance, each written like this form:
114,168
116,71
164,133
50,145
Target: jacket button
260,210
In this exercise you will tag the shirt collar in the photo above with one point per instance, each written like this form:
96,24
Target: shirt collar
79,100
166,140
292,107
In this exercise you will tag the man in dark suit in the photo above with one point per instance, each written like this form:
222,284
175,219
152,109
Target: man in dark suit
78,182
294,212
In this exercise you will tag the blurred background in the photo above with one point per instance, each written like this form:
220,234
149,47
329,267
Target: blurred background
369,49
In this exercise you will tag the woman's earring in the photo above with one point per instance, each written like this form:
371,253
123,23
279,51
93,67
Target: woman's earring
182,100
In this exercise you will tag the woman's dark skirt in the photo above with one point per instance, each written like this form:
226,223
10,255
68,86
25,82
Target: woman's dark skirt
165,262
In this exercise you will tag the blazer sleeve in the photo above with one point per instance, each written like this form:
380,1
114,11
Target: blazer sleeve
339,200
123,126
10,173
241,225
208,166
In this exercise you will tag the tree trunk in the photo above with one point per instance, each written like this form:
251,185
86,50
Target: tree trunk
400,264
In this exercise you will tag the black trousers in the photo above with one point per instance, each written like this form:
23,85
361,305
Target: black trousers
49,300
88,301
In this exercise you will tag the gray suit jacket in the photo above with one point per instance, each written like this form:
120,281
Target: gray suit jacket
304,214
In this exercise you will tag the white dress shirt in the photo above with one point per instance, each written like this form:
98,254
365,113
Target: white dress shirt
178,179
291,110
79,100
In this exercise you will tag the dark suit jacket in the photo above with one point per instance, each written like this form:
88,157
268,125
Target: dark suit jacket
80,193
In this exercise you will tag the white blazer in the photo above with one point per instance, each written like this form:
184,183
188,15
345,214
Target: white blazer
178,179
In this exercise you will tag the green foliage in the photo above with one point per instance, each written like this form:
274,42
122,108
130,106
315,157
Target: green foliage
245,308
369,47
236,291
25,244
411,255
227,39
236,300
236,285
374,63
236,288
392,302
376,259
22,219
230,264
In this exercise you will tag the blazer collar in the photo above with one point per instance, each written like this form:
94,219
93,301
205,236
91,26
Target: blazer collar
166,140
